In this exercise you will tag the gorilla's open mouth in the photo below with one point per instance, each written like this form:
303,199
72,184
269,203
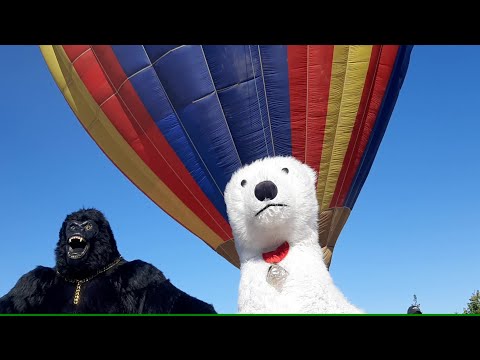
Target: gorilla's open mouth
266,207
77,247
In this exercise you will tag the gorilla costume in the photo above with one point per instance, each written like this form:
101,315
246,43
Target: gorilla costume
90,276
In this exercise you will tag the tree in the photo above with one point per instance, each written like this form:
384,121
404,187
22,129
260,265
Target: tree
473,307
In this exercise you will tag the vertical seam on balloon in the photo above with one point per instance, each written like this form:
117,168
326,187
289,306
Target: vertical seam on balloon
258,99
336,125
221,107
154,146
266,98
364,117
306,106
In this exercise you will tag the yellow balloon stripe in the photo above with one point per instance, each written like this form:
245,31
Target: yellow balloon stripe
349,70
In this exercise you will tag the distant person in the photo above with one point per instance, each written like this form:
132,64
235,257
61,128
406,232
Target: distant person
90,276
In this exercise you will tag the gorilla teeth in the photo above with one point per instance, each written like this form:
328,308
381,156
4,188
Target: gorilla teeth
79,238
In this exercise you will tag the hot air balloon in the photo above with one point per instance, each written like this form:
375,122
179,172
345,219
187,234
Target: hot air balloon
178,120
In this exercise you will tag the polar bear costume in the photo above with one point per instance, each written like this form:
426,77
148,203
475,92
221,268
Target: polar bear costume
273,211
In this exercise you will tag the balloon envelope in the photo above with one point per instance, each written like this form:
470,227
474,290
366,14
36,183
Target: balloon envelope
178,120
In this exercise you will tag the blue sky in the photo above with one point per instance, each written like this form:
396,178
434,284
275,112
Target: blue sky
415,228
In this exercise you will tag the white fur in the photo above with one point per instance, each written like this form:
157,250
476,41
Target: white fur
308,288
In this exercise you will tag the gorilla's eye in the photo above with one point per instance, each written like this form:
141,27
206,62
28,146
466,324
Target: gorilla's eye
88,227
72,227
285,170
243,183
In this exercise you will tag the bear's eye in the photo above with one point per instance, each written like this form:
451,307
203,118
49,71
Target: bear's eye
243,183
285,170
88,227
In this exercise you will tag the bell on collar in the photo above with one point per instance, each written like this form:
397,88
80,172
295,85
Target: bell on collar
276,276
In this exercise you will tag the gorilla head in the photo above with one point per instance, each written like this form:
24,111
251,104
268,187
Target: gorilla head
86,244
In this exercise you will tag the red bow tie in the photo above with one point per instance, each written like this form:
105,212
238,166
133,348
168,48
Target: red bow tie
276,255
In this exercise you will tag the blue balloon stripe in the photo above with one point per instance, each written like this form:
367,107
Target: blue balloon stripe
241,109
274,67
232,69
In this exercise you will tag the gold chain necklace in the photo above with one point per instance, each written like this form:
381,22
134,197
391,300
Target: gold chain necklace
76,296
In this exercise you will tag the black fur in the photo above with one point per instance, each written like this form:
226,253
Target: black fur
127,287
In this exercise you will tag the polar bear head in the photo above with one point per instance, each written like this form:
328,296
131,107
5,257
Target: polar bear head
270,201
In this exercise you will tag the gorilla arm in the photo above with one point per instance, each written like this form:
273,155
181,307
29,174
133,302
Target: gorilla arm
175,301
28,292
160,296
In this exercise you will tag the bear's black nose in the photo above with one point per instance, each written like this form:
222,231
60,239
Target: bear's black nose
266,190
